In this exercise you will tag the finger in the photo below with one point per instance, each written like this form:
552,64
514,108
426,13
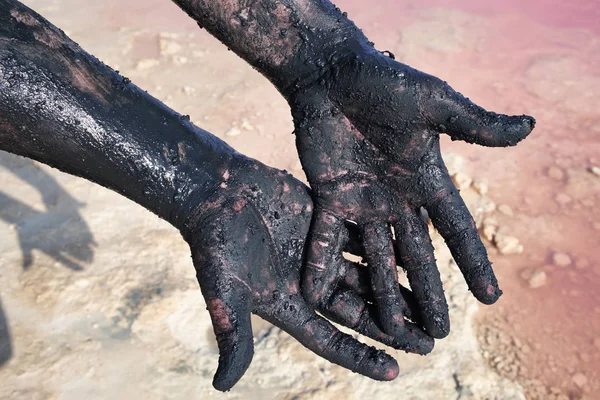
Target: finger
322,338
356,277
453,220
347,308
413,244
379,252
452,113
326,242
228,304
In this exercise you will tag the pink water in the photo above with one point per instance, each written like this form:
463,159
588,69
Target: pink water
541,58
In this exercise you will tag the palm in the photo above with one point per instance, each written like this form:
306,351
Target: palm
248,246
368,138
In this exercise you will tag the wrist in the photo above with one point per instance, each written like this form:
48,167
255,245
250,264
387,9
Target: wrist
245,182
206,200
317,59
199,187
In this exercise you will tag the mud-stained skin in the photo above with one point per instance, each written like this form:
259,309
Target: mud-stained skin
251,262
246,224
367,131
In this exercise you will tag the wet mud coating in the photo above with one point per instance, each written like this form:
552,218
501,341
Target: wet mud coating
367,131
246,223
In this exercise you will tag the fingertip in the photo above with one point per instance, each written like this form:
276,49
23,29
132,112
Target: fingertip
415,341
392,371
516,129
438,327
487,295
531,121
426,345
221,384
387,367
436,318
232,367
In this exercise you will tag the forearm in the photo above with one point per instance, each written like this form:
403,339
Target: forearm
63,107
291,42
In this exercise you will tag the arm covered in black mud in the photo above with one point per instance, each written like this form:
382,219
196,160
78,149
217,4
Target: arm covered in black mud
246,223
65,108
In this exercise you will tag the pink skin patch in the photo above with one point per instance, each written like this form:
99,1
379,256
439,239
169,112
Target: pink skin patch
293,287
219,313
392,373
239,205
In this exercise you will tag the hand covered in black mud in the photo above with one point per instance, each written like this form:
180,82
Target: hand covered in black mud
247,243
367,131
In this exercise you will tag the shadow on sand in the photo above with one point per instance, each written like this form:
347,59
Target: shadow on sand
58,231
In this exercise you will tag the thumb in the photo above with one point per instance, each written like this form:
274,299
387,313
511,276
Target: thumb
228,302
452,113
233,330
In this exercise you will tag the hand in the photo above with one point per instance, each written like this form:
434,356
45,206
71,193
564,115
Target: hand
247,243
367,131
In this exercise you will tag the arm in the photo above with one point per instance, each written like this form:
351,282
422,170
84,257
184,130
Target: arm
64,108
289,41
367,132
246,223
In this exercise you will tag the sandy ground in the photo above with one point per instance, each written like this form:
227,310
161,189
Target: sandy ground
109,306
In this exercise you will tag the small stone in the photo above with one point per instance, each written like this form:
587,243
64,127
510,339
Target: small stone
180,60
488,206
597,342
556,173
489,228
507,245
580,380
462,181
147,63
454,162
561,259
247,125
595,170
481,186
563,198
82,283
505,209
233,131
166,44
536,278
190,91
